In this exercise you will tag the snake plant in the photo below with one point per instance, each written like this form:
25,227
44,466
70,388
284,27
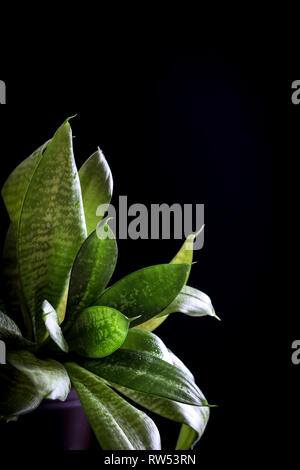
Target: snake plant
62,325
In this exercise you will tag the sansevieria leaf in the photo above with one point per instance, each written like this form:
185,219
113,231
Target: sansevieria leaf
194,418
18,394
116,424
10,287
10,333
98,332
144,341
192,302
15,187
184,255
49,376
97,187
146,292
50,318
146,373
91,272
51,229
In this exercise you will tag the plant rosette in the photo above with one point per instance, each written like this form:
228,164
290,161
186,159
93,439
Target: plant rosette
60,322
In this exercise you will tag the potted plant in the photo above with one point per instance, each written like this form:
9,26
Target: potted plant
62,325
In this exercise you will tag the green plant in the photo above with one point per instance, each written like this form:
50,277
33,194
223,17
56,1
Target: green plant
60,322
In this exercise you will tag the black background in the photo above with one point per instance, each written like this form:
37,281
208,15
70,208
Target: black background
190,119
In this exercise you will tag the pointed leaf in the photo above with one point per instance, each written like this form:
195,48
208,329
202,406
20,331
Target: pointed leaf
97,187
184,255
51,229
15,187
50,318
192,302
195,417
192,428
146,292
91,272
49,377
153,323
98,332
146,373
18,394
116,424
10,332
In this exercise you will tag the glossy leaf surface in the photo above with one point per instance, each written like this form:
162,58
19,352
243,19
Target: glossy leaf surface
146,373
116,424
98,332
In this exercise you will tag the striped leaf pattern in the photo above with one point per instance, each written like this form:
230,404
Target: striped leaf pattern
51,229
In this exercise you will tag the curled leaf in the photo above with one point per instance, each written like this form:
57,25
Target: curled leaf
192,302
18,394
49,377
50,318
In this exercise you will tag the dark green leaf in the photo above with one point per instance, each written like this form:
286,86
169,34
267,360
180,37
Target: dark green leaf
146,292
91,272
97,186
51,229
52,325
116,423
11,290
10,333
98,332
18,394
184,255
49,377
146,373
